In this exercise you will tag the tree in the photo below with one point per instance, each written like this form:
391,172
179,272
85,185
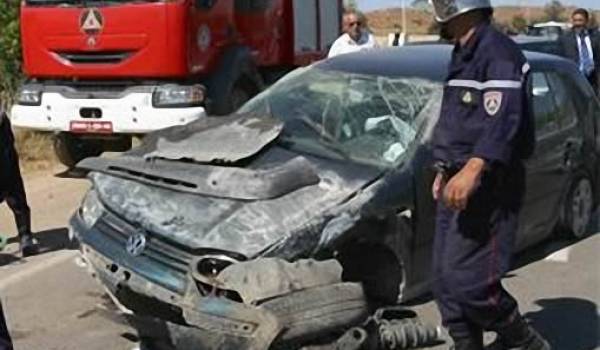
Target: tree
554,11
519,23
10,50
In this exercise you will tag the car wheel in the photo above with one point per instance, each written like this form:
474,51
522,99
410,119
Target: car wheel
239,96
578,208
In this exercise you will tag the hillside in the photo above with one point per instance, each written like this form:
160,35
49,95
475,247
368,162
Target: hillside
419,21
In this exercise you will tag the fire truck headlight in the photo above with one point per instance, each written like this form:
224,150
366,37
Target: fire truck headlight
30,96
173,96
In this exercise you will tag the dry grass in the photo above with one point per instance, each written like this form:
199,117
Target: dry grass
35,150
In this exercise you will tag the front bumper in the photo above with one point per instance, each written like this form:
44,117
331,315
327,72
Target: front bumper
131,113
161,297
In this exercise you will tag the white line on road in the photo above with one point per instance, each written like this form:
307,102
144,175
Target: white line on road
560,256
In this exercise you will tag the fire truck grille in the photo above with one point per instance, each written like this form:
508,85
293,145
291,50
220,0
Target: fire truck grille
101,57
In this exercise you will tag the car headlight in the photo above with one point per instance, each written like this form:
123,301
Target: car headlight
91,209
178,96
30,96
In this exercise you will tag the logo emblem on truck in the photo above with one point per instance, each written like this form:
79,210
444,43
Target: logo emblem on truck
91,21
136,244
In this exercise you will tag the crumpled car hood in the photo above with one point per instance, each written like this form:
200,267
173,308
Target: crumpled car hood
247,227
237,136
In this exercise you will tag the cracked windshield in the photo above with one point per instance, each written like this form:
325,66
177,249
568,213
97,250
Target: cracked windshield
365,118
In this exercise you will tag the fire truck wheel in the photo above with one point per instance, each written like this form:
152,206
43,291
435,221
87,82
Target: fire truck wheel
71,149
231,100
239,95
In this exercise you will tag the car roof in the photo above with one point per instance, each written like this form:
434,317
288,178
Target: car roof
420,61
524,39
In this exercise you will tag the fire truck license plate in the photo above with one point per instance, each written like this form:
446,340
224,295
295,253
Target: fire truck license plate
93,127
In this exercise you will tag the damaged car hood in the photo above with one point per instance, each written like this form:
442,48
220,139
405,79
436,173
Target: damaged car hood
243,226
224,139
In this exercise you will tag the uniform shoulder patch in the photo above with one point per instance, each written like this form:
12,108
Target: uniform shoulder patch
492,102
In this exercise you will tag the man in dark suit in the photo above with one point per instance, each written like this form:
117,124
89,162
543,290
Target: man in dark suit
582,45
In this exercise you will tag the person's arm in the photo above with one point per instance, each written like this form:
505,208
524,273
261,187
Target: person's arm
503,99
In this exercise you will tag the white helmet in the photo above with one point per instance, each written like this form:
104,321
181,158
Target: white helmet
445,10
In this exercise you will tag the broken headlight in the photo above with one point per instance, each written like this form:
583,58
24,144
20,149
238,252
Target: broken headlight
91,209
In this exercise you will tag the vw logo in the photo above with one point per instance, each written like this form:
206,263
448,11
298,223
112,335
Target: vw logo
136,244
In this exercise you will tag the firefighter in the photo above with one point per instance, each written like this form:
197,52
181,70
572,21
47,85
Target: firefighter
480,141
12,189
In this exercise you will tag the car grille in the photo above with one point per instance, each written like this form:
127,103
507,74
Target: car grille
102,57
160,261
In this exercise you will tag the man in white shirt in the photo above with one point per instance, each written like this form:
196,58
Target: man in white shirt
355,37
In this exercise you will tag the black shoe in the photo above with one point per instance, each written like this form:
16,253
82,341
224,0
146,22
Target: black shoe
28,245
466,344
534,342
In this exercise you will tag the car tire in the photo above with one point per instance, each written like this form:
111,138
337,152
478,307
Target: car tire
578,208
70,149
240,95
230,101
316,312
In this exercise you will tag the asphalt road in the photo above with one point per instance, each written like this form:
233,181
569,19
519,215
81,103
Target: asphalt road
51,303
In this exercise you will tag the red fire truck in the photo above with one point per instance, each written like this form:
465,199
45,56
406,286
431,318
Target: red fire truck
100,71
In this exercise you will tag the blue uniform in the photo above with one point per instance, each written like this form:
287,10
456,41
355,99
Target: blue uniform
11,183
484,114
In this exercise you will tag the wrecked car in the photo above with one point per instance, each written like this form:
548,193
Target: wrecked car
296,216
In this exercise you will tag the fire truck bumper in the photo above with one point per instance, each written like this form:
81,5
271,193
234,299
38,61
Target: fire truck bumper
132,113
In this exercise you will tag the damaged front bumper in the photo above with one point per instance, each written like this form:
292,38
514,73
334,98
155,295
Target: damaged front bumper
257,304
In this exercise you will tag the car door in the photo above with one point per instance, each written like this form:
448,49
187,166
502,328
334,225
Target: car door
588,112
549,168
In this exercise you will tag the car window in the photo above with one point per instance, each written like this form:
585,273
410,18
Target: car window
544,106
567,114
551,47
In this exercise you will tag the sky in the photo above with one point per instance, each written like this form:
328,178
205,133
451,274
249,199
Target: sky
366,5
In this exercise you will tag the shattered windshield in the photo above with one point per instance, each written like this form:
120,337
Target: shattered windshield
364,118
